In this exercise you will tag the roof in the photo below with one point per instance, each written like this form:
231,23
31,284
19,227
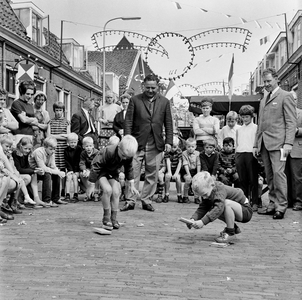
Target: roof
10,21
119,61
221,104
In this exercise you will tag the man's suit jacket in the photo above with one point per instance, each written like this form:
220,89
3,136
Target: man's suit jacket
79,125
297,147
140,123
118,123
277,121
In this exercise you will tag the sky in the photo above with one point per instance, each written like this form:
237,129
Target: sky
192,17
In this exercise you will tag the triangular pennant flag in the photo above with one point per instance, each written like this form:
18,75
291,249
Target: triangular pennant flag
243,21
25,72
228,16
177,5
172,89
204,10
278,26
257,24
268,24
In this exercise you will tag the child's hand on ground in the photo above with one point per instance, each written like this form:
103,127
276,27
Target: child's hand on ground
197,224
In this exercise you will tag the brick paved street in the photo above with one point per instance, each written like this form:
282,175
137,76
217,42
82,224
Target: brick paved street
56,255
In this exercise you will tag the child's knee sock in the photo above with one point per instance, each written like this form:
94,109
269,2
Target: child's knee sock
113,216
160,188
230,231
106,216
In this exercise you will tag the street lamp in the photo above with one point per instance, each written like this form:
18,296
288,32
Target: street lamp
104,52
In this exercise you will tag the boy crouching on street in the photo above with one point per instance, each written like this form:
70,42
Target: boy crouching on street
105,168
222,202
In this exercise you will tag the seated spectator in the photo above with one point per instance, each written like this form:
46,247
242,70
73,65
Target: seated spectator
72,154
173,161
7,120
20,157
43,158
191,166
229,130
87,155
21,182
209,157
227,172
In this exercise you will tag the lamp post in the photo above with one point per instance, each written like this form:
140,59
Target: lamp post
104,52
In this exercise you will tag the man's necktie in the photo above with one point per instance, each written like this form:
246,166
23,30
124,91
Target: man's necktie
92,128
268,97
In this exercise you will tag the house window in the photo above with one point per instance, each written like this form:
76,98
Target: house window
10,81
36,28
67,105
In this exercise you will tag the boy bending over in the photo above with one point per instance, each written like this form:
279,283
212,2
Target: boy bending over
105,168
222,202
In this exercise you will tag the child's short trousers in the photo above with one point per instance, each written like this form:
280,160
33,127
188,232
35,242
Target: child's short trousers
247,213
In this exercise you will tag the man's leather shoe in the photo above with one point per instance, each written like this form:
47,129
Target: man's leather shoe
266,212
61,202
148,207
278,215
297,207
6,216
128,206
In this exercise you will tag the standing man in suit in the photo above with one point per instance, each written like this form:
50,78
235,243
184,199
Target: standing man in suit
276,130
83,123
119,119
294,161
148,114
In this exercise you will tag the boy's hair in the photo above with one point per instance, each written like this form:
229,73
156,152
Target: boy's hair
129,145
6,139
175,140
210,142
87,139
232,115
59,104
228,140
49,141
202,182
113,140
246,110
24,141
72,136
190,140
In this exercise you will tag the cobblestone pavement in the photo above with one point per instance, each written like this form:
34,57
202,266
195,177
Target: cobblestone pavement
56,255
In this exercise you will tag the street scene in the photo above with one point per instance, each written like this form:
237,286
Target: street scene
151,149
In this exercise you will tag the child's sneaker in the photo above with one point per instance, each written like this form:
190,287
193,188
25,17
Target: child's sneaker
179,199
237,230
159,199
107,225
75,198
166,199
197,200
185,200
115,224
67,198
226,238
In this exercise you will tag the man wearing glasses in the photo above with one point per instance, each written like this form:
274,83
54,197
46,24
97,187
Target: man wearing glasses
148,114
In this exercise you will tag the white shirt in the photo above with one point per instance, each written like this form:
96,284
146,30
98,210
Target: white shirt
246,137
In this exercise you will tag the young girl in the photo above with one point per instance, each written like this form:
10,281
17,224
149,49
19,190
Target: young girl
20,156
21,182
59,127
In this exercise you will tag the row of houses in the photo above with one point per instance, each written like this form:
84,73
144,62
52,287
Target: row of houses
285,55
63,68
